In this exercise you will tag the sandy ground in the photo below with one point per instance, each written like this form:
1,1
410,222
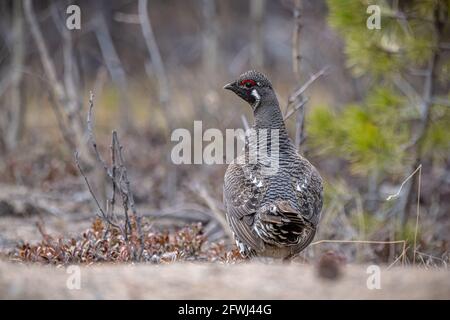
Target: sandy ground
216,281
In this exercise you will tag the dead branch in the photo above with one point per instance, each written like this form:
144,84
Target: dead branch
441,101
114,66
60,97
296,60
120,182
211,203
416,143
155,55
86,180
16,111
210,37
299,105
296,57
296,94
257,22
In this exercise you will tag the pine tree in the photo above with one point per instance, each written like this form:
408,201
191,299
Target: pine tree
404,118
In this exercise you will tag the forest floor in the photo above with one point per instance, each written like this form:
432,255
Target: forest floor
63,207
218,281
183,280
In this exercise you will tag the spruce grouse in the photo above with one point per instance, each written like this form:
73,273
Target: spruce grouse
271,214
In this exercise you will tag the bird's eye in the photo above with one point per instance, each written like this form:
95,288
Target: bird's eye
248,83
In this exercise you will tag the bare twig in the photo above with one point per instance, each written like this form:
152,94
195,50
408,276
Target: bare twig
126,18
155,55
103,214
393,196
301,104
210,202
293,97
417,141
128,195
401,256
210,38
404,17
13,127
441,101
114,66
112,202
61,98
357,241
257,8
119,180
298,94
91,135
416,230
408,90
65,130
444,263
296,57
426,102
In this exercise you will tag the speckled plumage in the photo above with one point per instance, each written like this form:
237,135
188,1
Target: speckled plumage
271,215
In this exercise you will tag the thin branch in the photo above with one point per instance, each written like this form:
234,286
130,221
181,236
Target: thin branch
427,95
408,90
129,194
393,196
404,16
65,130
103,214
416,230
441,101
92,137
119,177
293,97
126,18
296,57
114,171
47,63
210,202
114,66
301,104
155,55
428,92
357,241
401,256
61,98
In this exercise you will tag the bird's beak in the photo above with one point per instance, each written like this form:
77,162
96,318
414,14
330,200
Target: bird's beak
229,86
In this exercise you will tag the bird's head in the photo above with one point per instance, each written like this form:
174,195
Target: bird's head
253,87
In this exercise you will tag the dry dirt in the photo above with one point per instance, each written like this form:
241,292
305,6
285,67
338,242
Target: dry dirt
216,281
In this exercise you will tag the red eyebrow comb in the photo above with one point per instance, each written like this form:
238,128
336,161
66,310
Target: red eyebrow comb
250,81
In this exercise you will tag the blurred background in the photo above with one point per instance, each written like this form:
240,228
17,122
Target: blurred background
378,114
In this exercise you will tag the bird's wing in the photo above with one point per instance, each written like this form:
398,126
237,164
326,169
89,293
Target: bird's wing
241,198
308,190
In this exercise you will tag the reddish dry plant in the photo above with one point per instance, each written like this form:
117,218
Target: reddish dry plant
100,244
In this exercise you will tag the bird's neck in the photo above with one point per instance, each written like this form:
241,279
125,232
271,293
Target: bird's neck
268,116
